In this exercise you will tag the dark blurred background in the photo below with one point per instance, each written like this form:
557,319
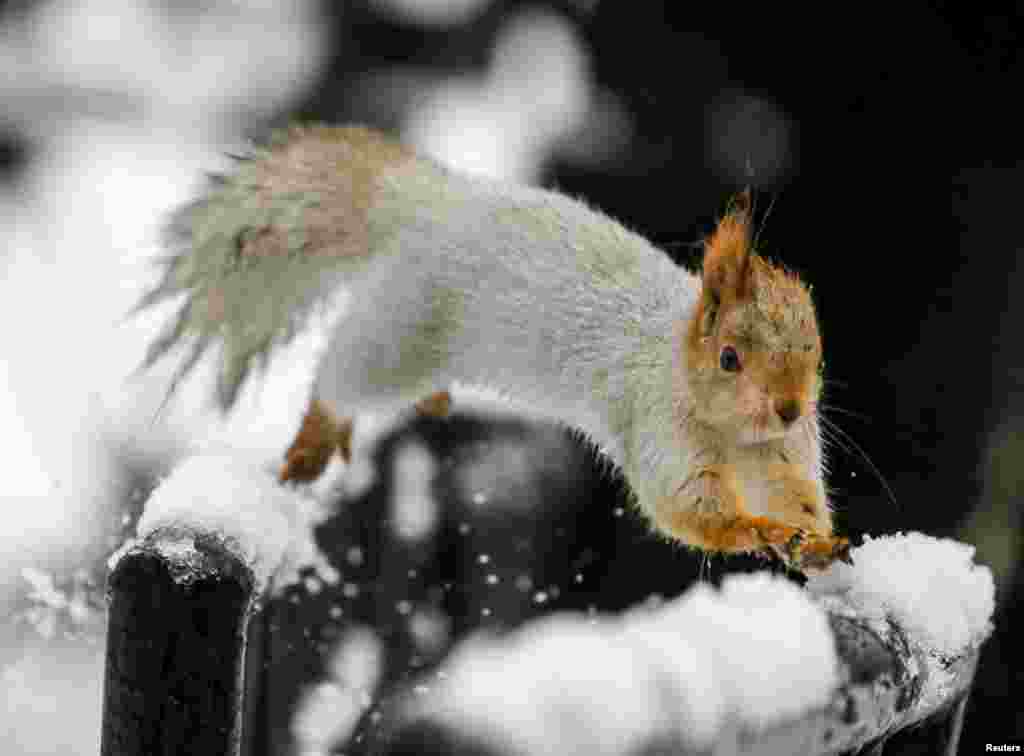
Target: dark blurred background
885,144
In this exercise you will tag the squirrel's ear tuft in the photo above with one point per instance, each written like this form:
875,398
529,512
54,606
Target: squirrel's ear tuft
728,273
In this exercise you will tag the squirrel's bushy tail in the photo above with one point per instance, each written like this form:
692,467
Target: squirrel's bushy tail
264,245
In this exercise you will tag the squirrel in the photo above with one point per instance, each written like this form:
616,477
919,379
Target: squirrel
700,387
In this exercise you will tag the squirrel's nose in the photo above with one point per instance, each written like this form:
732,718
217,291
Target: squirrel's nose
788,410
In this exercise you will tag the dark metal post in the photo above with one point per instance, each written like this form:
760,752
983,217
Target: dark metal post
179,606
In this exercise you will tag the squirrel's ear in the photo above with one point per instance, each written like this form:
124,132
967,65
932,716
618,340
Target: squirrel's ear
728,273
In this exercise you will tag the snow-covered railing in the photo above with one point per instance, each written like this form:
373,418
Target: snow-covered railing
760,667
181,594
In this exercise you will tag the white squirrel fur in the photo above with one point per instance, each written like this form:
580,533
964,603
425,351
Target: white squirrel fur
524,291
518,289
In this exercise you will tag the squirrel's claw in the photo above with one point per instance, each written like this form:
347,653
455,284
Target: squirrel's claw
841,551
806,552
822,552
789,551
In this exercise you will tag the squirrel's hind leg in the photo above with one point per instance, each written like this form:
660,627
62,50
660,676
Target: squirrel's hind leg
320,434
438,404
318,437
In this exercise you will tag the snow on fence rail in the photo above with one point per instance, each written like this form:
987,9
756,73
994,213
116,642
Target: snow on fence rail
759,667
212,537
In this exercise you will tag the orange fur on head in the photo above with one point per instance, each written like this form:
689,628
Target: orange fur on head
735,276
727,254
764,314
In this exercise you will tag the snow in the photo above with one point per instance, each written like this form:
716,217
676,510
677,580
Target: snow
114,149
772,647
513,472
543,693
712,665
267,525
66,610
63,435
414,511
360,474
441,14
43,589
329,710
535,97
51,700
187,66
430,629
757,652
931,587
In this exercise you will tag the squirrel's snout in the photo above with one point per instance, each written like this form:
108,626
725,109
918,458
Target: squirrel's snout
788,411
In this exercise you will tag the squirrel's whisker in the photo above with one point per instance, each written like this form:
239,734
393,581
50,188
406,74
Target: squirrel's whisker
837,433
850,413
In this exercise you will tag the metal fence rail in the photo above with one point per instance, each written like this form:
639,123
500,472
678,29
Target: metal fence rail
181,601
179,605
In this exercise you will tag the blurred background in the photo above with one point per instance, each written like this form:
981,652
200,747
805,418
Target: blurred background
885,144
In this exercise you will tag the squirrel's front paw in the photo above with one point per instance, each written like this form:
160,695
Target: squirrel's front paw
798,523
808,552
708,512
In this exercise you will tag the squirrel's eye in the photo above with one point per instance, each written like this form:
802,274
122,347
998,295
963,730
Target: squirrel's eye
729,360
